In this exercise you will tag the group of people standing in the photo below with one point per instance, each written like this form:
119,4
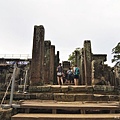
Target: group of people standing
71,76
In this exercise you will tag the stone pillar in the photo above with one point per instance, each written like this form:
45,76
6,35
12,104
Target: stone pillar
87,62
82,69
93,73
47,54
52,64
56,64
57,58
37,71
77,58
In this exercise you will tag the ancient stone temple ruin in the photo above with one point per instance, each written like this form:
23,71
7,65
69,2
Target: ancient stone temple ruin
37,96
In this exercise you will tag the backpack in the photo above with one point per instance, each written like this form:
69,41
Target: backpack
77,71
70,72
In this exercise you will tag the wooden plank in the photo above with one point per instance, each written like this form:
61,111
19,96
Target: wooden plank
71,105
66,117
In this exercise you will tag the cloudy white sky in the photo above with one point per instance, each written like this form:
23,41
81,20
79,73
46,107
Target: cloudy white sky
67,24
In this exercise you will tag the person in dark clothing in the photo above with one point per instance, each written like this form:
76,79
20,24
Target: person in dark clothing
60,74
69,76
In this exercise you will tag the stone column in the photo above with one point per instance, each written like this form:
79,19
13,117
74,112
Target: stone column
37,71
93,72
77,58
47,50
87,62
57,58
82,69
56,64
52,64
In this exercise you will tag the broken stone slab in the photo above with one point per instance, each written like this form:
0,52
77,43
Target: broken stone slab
99,87
113,97
103,88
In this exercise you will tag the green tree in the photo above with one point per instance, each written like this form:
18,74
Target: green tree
72,56
116,52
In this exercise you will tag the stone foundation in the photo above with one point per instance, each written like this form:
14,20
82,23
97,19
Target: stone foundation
5,114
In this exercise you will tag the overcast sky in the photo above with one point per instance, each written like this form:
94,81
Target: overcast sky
67,24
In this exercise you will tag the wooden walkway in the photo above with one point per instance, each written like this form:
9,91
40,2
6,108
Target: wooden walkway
66,117
54,106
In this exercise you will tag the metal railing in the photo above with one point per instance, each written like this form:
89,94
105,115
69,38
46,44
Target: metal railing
18,56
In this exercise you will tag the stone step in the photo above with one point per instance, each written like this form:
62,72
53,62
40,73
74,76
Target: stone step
71,88
68,97
66,117
82,107
65,97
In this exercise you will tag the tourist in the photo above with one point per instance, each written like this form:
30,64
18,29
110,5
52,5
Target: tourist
70,75
76,74
59,74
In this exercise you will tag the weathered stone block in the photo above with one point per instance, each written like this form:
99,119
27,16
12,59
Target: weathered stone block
97,97
99,88
103,88
55,88
89,89
109,88
77,89
64,88
44,96
39,88
113,98
45,88
64,97
5,114
21,96
35,89
83,97
32,96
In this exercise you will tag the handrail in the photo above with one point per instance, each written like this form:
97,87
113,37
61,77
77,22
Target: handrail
6,91
16,56
26,74
12,86
11,80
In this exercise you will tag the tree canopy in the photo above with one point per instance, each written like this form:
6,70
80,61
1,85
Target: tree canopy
116,52
72,56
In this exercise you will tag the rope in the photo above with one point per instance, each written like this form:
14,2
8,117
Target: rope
8,87
6,91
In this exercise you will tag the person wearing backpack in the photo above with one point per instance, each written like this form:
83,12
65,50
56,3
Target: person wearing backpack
60,74
76,74
69,75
